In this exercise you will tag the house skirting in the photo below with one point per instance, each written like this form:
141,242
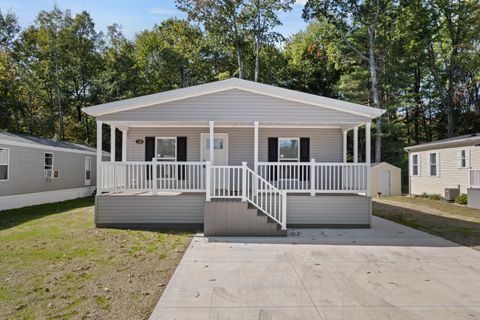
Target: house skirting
36,198
186,211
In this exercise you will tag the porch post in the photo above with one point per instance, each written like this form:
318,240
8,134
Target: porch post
112,143
345,132
313,176
368,157
212,142
99,157
124,145
255,147
355,144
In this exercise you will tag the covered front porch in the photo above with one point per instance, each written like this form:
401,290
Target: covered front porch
203,169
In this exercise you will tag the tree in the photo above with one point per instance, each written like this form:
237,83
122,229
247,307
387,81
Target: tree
224,20
351,18
262,17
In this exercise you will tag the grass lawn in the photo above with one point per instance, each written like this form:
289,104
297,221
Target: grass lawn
447,220
54,264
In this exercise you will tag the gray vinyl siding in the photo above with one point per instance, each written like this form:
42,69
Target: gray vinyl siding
328,210
26,171
131,209
450,175
325,144
235,105
189,209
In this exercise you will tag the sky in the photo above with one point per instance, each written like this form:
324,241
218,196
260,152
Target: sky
133,16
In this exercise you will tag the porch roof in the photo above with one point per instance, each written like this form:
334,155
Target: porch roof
233,83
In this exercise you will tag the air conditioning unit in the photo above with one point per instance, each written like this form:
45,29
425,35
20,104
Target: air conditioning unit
451,193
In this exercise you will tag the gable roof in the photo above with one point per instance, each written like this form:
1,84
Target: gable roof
232,83
10,138
468,139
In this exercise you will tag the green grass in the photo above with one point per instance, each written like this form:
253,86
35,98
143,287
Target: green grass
457,223
54,264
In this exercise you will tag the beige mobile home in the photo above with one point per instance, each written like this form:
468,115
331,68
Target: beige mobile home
35,170
445,164
236,158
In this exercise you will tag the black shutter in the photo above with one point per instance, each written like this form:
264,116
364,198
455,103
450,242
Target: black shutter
149,153
305,157
181,156
272,157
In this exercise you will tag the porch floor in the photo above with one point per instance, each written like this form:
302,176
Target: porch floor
387,272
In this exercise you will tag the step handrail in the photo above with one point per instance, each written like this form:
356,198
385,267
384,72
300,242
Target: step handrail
270,200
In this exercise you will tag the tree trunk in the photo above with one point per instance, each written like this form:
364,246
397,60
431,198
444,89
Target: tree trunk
418,104
238,47
60,110
257,43
376,98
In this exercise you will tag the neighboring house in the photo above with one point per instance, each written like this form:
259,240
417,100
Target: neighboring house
448,163
235,157
35,170
386,179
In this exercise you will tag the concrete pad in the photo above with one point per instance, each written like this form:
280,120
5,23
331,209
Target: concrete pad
386,272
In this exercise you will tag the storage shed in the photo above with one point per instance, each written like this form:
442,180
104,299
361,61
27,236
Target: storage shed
386,179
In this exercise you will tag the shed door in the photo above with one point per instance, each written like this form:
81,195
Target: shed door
88,171
383,183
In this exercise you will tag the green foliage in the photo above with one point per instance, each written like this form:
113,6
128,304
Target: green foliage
462,199
431,196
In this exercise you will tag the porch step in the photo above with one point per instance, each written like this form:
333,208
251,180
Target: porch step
232,217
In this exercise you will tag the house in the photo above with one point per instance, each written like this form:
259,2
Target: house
386,179
35,170
234,157
448,163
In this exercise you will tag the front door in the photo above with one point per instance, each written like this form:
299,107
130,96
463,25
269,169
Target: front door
383,180
220,148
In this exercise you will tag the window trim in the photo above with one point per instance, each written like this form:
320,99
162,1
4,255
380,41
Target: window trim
44,157
85,171
298,152
8,164
437,164
175,149
417,165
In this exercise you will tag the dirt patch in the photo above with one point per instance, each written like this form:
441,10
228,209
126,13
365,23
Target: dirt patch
59,266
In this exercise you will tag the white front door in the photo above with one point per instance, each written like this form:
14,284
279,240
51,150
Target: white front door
88,171
220,149
383,182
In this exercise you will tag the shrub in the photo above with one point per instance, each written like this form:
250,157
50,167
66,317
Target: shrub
424,195
461,199
435,196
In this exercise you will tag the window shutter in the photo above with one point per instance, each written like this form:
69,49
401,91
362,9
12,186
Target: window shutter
459,158
437,158
3,157
273,156
467,158
419,163
149,154
272,149
149,148
181,155
304,149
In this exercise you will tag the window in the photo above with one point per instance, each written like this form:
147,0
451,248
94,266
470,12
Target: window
48,161
288,149
463,158
415,165
166,148
88,168
434,168
4,161
217,144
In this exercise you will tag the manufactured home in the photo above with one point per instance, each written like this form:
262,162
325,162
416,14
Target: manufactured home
35,170
452,164
234,157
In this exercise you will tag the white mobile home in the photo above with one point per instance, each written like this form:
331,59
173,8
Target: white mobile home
448,163
35,170
236,158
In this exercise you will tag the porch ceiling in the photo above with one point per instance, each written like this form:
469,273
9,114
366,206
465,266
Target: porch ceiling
229,124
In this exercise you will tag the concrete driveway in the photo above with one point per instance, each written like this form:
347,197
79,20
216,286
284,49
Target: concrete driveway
387,272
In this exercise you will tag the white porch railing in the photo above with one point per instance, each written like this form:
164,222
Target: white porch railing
474,178
141,176
314,177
